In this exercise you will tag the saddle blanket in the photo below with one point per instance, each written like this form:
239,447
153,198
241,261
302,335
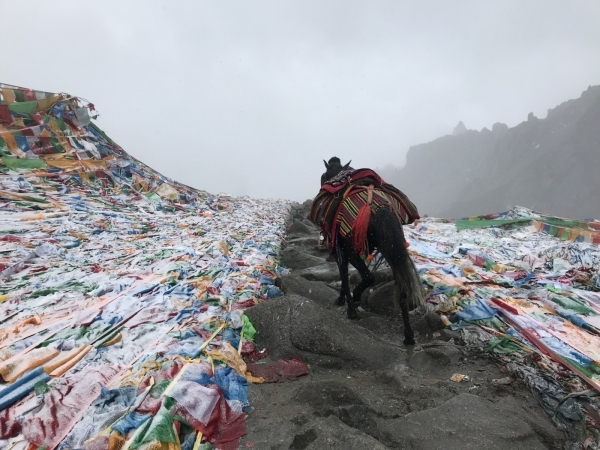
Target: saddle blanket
340,200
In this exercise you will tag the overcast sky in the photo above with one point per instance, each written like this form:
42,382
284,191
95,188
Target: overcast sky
248,97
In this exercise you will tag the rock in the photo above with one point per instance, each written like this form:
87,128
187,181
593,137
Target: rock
377,325
326,333
272,319
303,241
309,224
302,229
360,417
445,354
381,300
428,324
465,422
422,362
315,290
326,272
332,434
499,128
447,334
434,322
382,275
502,381
296,259
459,129
325,396
329,400
308,245
303,440
292,325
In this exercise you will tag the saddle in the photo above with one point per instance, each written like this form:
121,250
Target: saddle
344,204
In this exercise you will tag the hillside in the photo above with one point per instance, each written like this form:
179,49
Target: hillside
547,165
114,276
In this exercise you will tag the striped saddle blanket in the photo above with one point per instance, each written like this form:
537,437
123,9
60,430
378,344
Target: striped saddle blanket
340,201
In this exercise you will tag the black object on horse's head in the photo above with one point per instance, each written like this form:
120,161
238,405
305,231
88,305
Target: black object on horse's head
334,166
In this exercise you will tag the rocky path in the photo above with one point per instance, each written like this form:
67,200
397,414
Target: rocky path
365,390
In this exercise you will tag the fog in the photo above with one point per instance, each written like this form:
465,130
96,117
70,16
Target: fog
249,97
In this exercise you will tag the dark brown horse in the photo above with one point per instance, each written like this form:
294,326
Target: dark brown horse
386,235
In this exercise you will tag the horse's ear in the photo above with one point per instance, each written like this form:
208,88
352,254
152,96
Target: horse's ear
347,165
326,165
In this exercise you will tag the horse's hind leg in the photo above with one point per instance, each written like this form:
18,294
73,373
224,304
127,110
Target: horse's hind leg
409,335
401,303
388,237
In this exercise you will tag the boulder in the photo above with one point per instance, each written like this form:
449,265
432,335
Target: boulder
445,354
300,228
332,434
326,272
295,325
296,259
465,422
314,290
381,300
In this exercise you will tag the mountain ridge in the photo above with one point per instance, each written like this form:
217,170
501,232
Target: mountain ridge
546,164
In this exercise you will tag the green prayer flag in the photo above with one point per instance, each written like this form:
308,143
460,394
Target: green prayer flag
503,345
555,222
19,95
23,163
157,390
574,305
248,329
41,387
159,429
61,124
154,198
23,107
57,147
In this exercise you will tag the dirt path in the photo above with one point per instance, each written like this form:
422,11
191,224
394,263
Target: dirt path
367,391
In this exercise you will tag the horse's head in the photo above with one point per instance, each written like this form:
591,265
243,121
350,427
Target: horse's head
334,166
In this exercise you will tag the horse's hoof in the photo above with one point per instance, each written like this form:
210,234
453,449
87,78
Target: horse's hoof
355,304
340,301
409,341
352,314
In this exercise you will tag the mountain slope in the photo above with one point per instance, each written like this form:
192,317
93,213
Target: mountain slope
548,165
114,277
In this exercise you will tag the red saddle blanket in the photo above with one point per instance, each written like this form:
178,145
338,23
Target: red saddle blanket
344,204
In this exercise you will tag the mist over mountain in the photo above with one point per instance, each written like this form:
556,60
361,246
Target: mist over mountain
550,165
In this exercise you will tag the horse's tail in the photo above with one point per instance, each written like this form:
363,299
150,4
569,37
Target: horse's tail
389,235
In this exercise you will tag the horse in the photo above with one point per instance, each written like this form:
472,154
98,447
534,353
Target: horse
384,233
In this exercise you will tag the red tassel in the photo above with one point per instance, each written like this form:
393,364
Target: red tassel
360,228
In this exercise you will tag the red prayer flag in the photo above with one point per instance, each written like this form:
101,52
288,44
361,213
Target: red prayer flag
5,115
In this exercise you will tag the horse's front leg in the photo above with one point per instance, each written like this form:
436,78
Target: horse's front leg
401,305
409,335
345,291
342,263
